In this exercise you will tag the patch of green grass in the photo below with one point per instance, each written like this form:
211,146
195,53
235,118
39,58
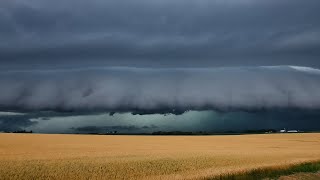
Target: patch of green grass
271,172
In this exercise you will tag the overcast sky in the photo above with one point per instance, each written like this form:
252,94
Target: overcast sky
136,56
158,33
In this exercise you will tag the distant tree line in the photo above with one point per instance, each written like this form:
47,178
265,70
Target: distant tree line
259,131
179,133
19,131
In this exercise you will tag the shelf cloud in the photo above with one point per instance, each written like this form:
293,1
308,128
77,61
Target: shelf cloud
99,65
149,91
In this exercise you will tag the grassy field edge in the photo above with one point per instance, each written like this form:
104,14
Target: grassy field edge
271,172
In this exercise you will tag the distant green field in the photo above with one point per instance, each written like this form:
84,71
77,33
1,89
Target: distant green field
271,172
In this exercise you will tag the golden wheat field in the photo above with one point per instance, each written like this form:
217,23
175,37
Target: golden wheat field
40,156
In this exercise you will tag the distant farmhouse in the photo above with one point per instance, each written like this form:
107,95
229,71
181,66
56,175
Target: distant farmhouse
283,130
292,131
289,131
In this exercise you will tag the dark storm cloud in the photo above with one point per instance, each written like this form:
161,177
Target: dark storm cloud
150,91
170,33
266,119
16,121
120,128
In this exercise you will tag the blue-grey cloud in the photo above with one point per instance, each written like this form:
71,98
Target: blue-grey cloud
39,37
145,91
170,33
17,121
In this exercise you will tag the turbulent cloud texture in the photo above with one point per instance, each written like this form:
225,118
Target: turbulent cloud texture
158,57
146,91
158,33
